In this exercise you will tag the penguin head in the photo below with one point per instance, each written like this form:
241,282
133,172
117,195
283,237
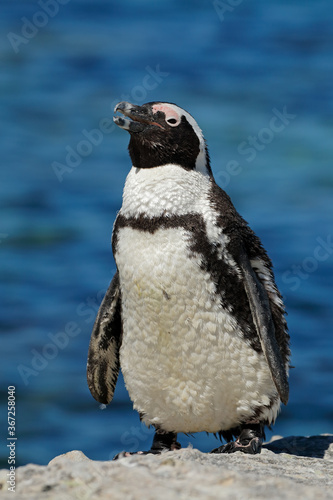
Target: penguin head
163,133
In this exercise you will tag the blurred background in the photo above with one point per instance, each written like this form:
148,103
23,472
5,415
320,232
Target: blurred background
257,76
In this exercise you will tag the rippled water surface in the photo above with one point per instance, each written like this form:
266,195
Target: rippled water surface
61,184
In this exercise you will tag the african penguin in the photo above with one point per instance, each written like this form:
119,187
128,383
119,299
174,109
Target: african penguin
193,316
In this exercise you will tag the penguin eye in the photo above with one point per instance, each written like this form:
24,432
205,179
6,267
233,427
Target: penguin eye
173,122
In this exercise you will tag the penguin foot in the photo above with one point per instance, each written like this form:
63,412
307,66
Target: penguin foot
253,447
161,442
123,454
249,441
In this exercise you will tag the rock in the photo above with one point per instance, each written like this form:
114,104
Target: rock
73,456
289,468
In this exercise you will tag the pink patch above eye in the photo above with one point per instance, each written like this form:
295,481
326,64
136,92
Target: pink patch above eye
167,110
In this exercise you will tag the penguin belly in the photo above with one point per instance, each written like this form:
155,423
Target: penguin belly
185,363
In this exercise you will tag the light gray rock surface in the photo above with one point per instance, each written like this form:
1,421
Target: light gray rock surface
287,468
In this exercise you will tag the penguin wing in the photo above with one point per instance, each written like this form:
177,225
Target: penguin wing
103,355
263,321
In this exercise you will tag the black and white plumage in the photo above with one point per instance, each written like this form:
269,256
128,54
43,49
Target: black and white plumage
193,316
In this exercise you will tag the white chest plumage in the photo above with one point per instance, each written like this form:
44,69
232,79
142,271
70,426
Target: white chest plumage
185,363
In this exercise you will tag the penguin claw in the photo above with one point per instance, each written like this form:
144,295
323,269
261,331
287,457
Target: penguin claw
252,447
162,442
152,451
124,454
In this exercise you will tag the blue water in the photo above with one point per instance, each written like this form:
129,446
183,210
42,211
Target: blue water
234,71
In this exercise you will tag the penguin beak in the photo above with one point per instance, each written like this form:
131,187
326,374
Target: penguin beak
139,120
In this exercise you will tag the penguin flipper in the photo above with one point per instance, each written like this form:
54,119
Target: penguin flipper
263,321
103,355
